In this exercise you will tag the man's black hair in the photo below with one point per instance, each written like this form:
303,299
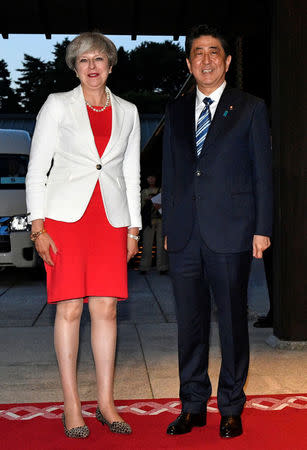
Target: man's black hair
205,30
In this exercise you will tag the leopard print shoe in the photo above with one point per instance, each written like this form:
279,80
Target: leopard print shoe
115,427
77,432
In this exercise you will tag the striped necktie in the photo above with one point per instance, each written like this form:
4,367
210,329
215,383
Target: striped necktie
203,125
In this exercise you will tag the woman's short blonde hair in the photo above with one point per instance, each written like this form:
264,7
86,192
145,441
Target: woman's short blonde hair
90,41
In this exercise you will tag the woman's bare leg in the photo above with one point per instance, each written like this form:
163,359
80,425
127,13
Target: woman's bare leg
103,335
66,343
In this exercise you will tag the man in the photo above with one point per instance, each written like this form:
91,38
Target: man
217,213
152,225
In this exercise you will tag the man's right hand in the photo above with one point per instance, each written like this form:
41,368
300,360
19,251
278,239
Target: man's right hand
260,244
165,242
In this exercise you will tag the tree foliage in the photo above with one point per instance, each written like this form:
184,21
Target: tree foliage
40,78
64,78
149,75
35,83
158,67
9,99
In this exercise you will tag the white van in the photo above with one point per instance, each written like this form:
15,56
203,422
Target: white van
16,248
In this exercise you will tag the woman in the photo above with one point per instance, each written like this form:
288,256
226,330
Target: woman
152,224
86,216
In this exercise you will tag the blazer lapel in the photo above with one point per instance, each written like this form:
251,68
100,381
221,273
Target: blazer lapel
220,120
117,124
82,121
188,125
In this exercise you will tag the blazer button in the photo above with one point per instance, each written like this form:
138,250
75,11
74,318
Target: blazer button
99,166
198,173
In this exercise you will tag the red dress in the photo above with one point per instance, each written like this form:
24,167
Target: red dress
92,254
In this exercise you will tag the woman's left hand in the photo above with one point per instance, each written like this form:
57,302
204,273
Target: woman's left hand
132,244
132,248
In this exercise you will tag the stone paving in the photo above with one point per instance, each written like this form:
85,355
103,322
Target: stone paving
146,365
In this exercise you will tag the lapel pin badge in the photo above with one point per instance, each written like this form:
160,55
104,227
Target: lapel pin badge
227,110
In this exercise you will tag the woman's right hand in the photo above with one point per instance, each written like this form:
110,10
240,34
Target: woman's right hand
42,244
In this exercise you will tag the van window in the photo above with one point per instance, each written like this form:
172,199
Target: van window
13,169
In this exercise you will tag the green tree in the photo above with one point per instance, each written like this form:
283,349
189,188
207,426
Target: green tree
64,78
121,78
35,83
159,67
150,75
9,99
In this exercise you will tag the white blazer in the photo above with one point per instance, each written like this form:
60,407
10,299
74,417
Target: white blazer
63,134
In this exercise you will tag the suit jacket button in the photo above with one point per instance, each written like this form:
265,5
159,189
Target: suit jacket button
99,166
198,173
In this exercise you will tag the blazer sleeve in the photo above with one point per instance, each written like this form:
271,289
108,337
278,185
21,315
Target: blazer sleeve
43,146
167,174
131,171
261,154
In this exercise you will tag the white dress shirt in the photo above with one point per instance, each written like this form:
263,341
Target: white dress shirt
199,104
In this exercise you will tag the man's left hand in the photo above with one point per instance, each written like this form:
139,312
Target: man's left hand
260,243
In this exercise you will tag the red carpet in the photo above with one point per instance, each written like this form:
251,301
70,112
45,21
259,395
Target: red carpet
270,422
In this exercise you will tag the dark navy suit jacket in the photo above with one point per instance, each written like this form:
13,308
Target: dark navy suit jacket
229,187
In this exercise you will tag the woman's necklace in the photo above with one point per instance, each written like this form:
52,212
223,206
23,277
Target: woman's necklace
104,107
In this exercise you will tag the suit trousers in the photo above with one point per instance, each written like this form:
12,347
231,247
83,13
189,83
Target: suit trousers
197,272
148,238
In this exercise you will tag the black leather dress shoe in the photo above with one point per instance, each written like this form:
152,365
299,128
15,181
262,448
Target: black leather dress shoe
230,426
185,422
